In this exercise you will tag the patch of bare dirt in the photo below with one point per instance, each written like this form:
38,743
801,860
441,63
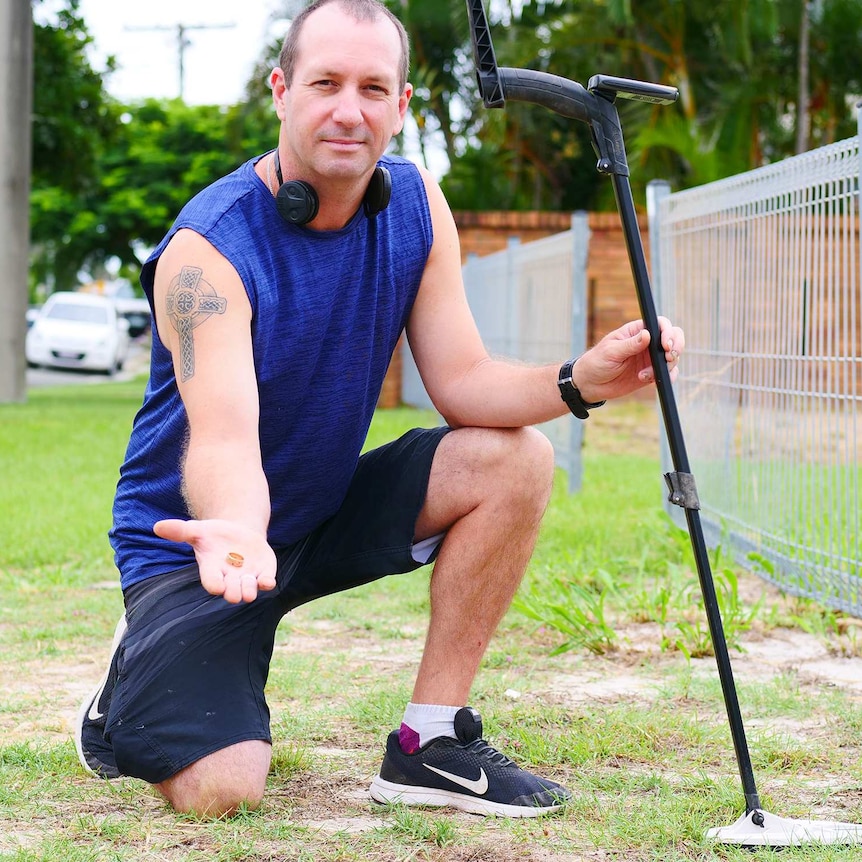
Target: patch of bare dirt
41,699
45,693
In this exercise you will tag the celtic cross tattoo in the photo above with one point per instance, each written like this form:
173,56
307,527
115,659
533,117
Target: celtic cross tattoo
190,302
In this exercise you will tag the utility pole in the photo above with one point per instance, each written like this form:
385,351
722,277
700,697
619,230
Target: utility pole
16,99
183,42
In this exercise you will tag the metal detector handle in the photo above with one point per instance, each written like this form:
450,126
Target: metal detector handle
561,95
570,99
611,87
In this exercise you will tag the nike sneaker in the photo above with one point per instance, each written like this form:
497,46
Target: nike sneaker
464,773
94,752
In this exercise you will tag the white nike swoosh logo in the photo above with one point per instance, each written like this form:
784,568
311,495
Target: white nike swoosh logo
478,786
93,713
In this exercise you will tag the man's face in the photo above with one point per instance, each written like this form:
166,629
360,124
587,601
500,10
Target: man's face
344,104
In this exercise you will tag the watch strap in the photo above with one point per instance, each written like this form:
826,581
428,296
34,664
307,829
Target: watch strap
570,394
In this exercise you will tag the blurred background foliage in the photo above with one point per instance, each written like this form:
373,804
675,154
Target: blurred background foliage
759,80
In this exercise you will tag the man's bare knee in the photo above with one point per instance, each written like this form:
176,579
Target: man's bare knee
507,469
500,451
222,783
524,465
537,452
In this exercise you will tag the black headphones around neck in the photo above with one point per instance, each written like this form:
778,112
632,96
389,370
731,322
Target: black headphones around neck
297,201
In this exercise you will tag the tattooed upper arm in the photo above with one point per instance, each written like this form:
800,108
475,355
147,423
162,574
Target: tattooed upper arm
190,301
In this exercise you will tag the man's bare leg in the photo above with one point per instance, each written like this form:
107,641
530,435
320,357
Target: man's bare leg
220,783
489,489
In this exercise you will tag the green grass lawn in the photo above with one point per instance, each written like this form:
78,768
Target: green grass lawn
600,677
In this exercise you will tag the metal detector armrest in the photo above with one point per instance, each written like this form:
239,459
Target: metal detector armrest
609,87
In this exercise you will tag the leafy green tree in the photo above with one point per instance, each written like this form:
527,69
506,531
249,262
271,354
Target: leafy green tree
108,179
438,33
737,66
72,112
73,118
164,153
836,70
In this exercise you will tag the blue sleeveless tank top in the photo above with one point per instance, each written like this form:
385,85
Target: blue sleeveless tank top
328,308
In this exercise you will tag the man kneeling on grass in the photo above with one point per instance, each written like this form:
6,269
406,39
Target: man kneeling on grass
279,296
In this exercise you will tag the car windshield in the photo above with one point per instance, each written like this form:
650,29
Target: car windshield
78,313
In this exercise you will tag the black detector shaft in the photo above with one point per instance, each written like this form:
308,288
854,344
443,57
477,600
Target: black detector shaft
595,106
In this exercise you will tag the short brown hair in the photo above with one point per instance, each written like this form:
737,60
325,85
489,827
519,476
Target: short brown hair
359,10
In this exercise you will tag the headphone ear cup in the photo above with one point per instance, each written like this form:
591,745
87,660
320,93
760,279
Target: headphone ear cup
297,202
378,193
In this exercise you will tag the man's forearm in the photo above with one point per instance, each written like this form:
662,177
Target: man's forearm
227,482
501,393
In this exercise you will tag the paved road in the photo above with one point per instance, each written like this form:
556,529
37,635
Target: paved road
134,365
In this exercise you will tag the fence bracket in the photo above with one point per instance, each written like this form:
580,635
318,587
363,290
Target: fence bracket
683,490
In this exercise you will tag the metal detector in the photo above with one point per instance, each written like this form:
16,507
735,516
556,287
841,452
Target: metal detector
596,107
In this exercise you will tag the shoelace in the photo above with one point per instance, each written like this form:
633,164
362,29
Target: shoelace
482,749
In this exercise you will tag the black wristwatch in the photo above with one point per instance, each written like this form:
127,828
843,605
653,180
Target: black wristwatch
569,392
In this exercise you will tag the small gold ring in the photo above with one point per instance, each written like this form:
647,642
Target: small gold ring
234,559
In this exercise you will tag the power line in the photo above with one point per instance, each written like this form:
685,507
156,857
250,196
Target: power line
183,42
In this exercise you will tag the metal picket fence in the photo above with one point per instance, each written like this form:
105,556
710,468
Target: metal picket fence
529,303
763,271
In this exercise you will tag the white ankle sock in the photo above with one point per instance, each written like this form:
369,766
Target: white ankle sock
427,721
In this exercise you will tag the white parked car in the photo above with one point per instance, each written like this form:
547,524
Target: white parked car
78,330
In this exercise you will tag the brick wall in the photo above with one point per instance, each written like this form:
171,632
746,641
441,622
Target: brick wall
611,296
483,233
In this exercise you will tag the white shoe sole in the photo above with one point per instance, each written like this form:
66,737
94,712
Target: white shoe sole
404,794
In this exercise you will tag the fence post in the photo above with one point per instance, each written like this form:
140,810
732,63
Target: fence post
580,255
514,336
656,192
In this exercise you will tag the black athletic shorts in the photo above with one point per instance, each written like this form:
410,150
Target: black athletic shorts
192,667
